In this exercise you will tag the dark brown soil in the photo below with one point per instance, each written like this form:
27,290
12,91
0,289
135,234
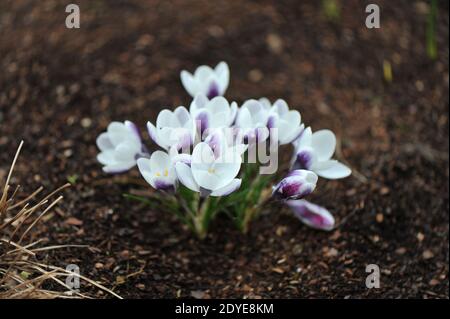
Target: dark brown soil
59,89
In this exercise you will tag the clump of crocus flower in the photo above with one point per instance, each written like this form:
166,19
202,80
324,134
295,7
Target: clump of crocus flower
213,157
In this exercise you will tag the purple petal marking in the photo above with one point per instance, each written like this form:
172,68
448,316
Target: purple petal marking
184,142
304,160
292,187
271,122
163,185
213,91
214,141
204,192
202,121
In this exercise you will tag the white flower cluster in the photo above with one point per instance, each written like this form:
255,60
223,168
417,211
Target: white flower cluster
198,153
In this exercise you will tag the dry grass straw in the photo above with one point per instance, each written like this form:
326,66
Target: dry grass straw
21,274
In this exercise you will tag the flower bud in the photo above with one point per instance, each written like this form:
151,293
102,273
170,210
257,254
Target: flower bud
311,214
296,185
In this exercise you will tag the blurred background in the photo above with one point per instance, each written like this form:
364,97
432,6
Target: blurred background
383,91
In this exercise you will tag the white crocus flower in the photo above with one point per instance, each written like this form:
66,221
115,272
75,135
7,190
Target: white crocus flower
285,121
207,81
252,121
313,151
173,129
210,175
214,113
120,146
158,171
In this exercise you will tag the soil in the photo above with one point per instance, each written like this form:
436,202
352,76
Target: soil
59,88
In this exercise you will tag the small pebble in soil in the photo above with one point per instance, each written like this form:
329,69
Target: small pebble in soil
379,218
427,254
275,43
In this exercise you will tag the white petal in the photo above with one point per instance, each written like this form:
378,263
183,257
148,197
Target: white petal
202,154
203,73
244,118
198,103
166,118
184,174
324,144
159,161
304,140
106,157
149,178
182,115
103,142
265,103
333,170
189,83
152,131
233,113
280,107
223,75
133,129
144,165
218,105
228,189
226,169
291,135
118,167
126,151
206,179
219,120
117,132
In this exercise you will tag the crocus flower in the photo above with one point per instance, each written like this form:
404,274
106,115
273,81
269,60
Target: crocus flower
311,214
207,81
285,121
252,121
296,185
214,113
158,171
210,175
173,129
313,151
120,146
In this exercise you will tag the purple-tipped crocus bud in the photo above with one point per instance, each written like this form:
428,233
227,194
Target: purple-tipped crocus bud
296,185
206,80
311,214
